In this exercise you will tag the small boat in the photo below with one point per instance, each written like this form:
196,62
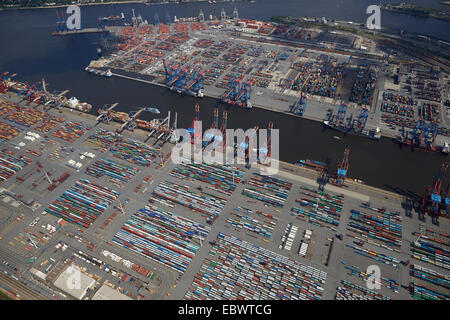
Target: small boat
336,137
153,110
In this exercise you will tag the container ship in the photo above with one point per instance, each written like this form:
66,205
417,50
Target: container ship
313,164
120,117
123,117
74,103
445,149
197,94
374,134
16,86
114,18
106,73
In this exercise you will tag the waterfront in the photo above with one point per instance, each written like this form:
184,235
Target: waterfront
62,60
135,225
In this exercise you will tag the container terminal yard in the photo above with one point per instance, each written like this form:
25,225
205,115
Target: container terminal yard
100,195
351,82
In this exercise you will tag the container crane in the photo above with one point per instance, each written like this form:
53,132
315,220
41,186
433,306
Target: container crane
342,169
244,145
196,118
4,78
447,201
223,128
163,128
195,85
130,124
432,197
431,133
209,137
362,119
266,150
244,94
300,106
340,116
60,21
229,95
105,113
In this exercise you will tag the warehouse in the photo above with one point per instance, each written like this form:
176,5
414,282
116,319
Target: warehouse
74,282
107,293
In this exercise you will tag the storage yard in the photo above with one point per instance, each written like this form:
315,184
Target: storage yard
150,229
282,67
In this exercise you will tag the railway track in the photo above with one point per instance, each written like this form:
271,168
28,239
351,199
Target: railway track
16,287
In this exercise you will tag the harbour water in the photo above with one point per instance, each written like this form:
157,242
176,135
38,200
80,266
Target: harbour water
31,51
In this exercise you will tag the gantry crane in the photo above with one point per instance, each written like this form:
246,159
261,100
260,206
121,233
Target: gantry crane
209,137
4,78
130,124
300,106
432,197
362,119
198,135
341,172
266,150
60,21
245,145
340,116
105,113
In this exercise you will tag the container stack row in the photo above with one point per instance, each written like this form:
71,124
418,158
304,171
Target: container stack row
240,270
162,236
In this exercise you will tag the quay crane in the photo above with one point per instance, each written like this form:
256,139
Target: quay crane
446,203
4,78
101,20
220,138
223,128
424,134
230,94
209,137
156,19
340,116
266,150
105,113
243,96
54,100
130,124
362,119
180,81
432,197
163,128
300,106
245,145
196,85
198,135
342,169
173,136
60,22
238,94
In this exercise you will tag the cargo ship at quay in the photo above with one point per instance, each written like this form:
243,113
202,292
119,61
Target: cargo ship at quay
247,63
374,134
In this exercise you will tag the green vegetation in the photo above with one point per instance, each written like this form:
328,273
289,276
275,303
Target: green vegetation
43,3
4,296
417,11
